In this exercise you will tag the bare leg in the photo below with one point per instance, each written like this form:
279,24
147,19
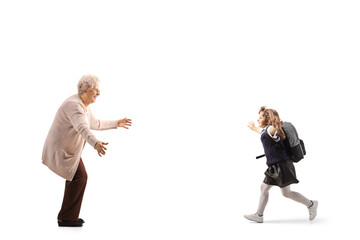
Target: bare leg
286,192
264,197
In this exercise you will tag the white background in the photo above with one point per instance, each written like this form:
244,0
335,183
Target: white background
191,75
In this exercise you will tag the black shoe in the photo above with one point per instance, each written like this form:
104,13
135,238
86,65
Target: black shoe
63,223
81,220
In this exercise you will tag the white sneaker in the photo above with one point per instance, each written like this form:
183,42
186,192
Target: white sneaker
255,218
313,210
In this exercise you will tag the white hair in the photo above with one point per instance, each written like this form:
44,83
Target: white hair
87,82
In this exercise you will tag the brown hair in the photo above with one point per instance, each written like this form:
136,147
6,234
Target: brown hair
272,118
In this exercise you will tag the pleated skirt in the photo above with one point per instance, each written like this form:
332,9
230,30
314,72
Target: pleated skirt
281,174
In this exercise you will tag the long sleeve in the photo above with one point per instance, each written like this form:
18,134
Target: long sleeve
101,124
76,113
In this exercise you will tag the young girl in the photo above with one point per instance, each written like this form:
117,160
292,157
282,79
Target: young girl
281,170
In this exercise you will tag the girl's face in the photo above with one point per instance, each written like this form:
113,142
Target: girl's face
262,120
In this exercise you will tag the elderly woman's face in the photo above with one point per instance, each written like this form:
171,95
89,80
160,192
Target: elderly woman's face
92,94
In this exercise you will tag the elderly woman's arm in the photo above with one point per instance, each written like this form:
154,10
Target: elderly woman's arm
76,114
97,124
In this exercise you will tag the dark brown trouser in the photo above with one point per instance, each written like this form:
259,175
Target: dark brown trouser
74,192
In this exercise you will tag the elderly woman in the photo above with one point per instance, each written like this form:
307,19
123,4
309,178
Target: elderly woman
66,140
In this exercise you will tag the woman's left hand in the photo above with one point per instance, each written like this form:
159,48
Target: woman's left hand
125,123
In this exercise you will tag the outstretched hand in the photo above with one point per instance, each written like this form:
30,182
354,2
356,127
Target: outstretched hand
252,126
99,146
125,123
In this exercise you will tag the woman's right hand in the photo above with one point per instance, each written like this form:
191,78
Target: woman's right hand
99,146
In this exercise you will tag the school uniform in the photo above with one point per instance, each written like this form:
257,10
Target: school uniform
281,170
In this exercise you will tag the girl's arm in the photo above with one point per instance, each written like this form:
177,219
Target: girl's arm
272,131
252,127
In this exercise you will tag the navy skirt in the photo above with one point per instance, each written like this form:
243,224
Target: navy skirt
281,174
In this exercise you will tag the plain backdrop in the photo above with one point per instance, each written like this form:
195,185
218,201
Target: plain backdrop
191,75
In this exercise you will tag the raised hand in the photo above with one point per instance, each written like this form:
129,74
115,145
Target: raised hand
125,123
252,126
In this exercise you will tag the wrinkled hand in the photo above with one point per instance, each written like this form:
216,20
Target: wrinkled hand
252,126
99,146
125,123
